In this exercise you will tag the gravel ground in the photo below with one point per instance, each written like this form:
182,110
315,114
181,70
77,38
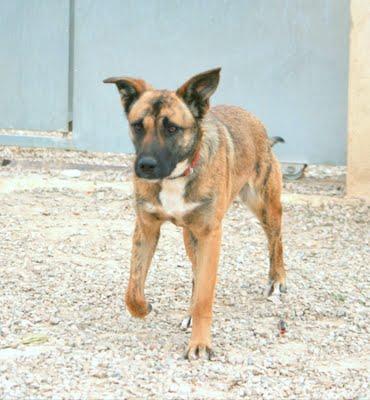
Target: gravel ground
65,334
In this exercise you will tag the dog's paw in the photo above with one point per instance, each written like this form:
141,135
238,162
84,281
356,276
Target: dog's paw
198,351
275,288
186,323
138,309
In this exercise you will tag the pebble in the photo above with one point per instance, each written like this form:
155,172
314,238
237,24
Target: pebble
71,173
184,390
54,321
236,358
99,374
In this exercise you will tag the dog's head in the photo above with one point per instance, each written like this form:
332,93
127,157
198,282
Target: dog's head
165,125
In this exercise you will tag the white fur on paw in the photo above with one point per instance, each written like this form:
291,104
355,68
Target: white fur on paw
186,323
273,292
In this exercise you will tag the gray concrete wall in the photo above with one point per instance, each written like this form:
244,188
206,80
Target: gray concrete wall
284,60
34,52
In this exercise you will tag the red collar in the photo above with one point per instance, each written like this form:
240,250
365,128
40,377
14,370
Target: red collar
192,165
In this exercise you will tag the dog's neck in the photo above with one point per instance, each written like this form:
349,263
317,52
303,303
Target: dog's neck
190,167
193,163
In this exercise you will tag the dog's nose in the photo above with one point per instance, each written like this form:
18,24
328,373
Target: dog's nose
147,165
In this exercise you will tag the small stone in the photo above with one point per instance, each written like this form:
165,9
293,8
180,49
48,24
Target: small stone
100,373
3,367
173,388
184,390
236,358
117,374
54,321
71,173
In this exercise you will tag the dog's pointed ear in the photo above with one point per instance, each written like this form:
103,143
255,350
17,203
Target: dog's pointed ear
198,89
130,89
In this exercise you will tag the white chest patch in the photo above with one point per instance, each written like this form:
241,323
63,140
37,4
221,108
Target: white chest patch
172,199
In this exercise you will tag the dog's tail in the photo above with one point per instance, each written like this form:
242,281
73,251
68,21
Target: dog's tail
276,139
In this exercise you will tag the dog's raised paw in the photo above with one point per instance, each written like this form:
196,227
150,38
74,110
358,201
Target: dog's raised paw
138,309
199,352
186,323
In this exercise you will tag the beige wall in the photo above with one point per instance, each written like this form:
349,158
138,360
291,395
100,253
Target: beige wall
358,176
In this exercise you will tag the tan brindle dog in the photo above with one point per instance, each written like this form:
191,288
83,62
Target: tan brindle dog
191,162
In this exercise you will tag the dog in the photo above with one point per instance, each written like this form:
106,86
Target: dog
191,162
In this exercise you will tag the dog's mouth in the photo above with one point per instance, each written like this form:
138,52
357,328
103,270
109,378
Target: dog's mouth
156,178
149,180
149,169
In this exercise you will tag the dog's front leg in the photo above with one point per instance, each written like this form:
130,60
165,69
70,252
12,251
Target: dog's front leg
205,275
143,246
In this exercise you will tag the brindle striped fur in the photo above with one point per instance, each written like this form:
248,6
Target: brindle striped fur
235,159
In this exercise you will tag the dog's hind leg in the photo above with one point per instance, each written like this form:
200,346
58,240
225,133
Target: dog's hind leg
264,201
190,242
143,246
270,217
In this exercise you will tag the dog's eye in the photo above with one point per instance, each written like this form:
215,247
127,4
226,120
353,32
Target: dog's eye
172,129
138,128
169,127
